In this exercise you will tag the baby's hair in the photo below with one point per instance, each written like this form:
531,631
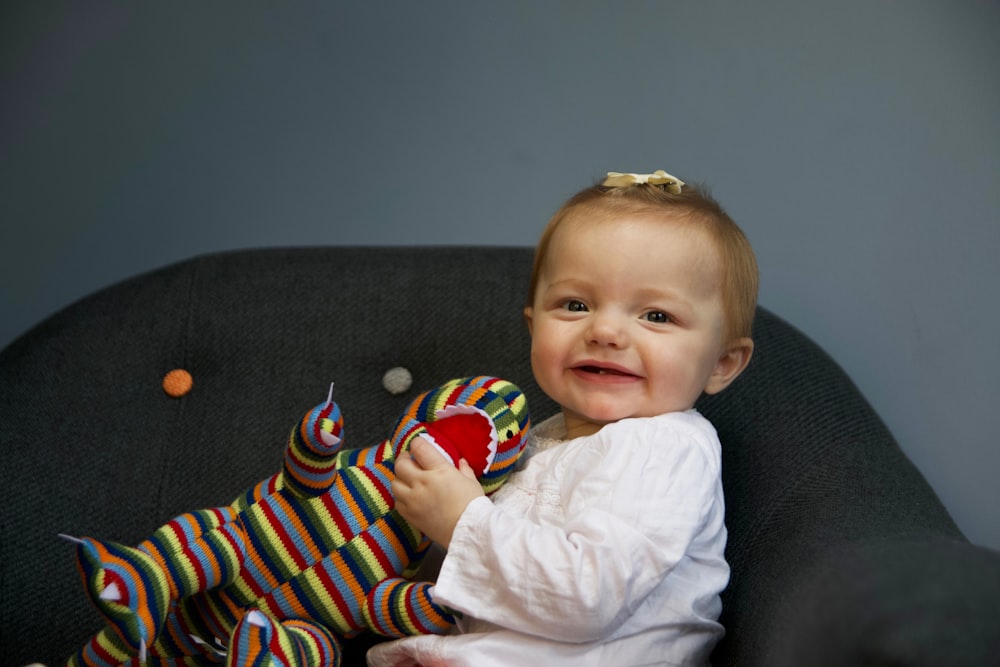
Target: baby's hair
692,205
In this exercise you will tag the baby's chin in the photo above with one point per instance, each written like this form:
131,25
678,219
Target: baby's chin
580,424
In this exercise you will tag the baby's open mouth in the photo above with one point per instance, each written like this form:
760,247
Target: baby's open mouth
600,370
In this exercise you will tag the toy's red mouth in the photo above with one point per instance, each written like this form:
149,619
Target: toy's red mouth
465,435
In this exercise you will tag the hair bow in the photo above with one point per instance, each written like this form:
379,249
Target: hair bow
659,177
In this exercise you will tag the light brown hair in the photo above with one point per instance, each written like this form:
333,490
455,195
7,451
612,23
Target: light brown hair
694,206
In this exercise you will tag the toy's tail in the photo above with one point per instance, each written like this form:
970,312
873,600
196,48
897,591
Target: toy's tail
310,461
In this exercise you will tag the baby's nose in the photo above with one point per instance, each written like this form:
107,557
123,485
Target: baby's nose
607,330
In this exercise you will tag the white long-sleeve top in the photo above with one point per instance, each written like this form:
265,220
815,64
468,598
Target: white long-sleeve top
601,550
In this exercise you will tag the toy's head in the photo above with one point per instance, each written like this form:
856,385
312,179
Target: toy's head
481,419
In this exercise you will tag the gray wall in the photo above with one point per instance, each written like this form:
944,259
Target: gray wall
858,143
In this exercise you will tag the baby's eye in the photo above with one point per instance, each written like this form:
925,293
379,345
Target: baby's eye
575,306
657,317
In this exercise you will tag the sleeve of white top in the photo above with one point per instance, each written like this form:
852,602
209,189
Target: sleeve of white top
631,510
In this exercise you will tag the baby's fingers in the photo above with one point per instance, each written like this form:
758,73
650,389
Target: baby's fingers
426,455
466,469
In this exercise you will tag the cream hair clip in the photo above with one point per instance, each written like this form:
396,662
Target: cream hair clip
659,177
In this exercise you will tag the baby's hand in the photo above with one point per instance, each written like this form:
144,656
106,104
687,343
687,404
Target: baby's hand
431,493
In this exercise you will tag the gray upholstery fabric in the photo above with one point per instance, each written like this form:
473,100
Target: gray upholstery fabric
841,552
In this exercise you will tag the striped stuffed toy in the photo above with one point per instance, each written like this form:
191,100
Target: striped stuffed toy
313,552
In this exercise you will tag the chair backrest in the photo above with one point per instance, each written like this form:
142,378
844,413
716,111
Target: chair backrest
91,444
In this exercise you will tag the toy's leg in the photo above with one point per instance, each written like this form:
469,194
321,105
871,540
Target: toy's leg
310,456
260,640
128,587
402,608
133,587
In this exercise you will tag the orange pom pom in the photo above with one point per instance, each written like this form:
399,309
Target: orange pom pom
177,383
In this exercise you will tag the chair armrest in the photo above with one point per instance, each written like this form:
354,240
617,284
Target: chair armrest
828,520
901,601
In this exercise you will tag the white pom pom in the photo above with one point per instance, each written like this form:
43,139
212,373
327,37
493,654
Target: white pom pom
397,380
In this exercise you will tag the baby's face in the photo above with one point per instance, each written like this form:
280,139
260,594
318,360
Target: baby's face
627,319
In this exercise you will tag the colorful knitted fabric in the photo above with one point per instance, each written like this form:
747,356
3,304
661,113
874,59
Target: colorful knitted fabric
316,549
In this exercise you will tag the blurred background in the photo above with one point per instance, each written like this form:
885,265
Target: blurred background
857,143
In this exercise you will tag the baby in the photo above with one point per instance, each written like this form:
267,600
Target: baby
606,547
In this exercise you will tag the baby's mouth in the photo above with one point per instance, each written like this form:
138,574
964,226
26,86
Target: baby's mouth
604,370
600,371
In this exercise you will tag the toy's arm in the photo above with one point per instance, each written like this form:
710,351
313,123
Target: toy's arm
310,457
400,608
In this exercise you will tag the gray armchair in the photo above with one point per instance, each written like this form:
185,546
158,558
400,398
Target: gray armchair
841,553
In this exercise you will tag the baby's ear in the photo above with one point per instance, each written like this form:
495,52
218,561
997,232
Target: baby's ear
729,366
528,314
